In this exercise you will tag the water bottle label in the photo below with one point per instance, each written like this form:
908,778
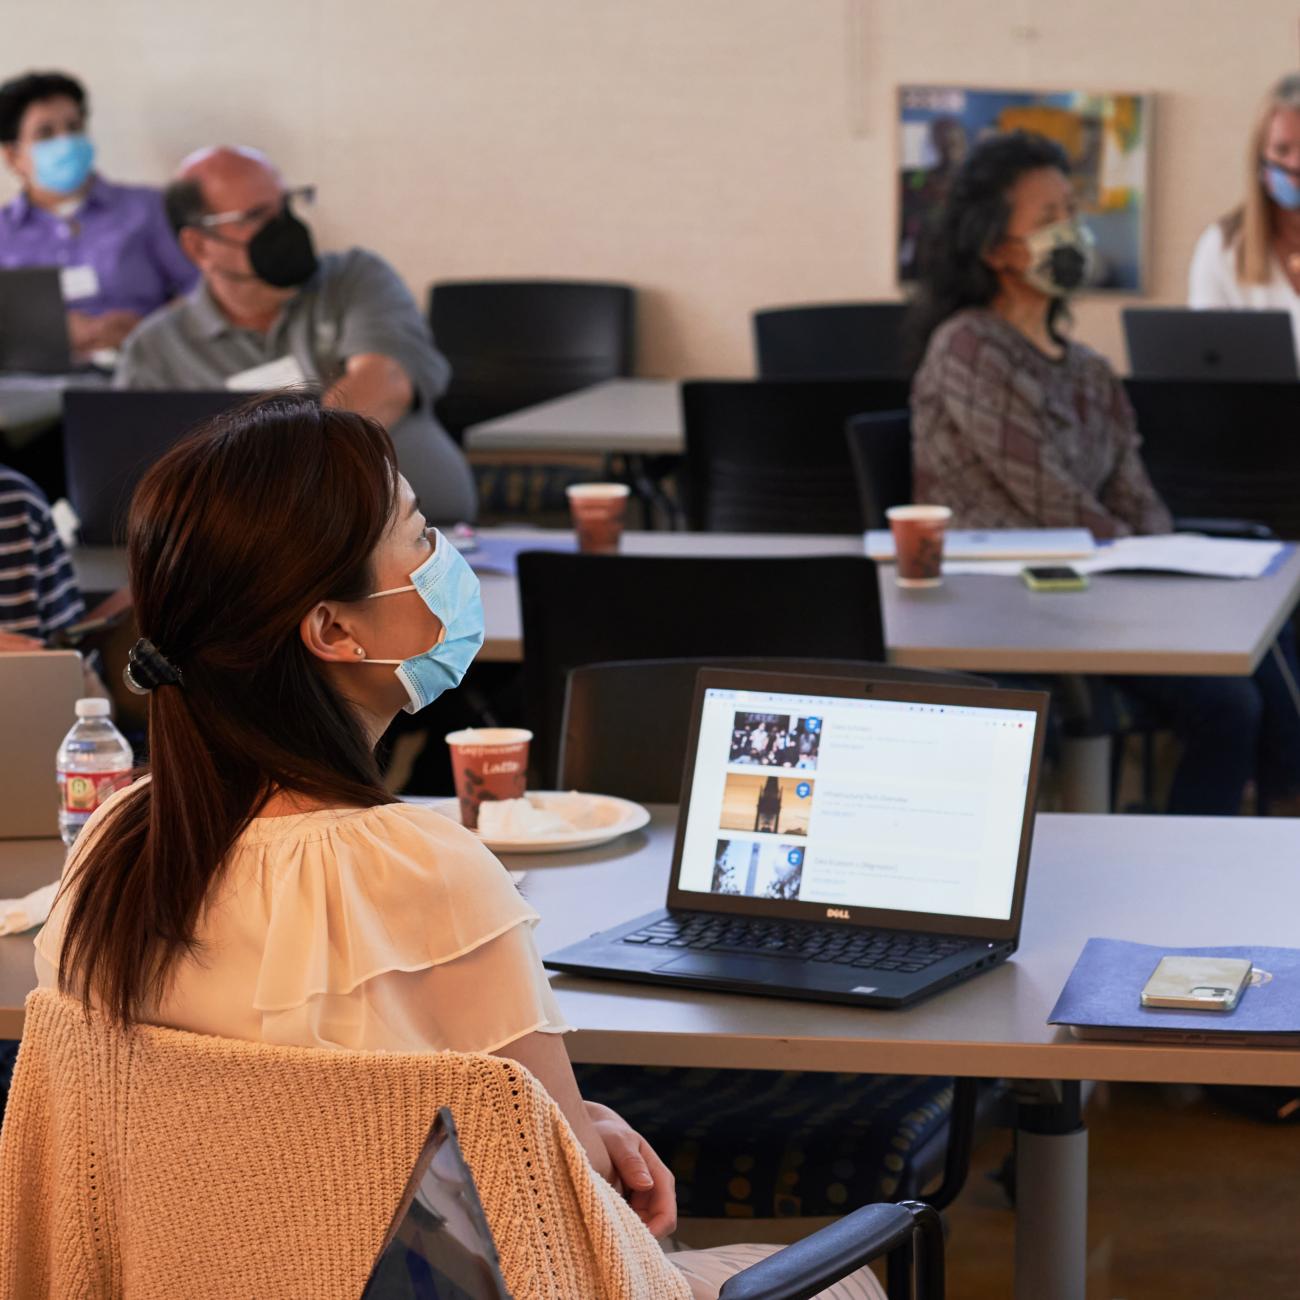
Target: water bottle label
83,792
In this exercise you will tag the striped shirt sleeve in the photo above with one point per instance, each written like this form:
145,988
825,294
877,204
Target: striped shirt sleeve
38,589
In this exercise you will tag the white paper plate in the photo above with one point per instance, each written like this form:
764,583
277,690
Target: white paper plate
616,817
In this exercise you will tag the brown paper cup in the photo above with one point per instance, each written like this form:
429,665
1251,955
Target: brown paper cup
918,544
488,763
598,511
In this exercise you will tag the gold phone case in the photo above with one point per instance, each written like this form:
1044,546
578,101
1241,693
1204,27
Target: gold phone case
1197,983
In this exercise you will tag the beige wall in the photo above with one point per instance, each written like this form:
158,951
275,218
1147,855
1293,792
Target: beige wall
719,154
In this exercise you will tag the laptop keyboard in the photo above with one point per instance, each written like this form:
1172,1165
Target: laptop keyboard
836,944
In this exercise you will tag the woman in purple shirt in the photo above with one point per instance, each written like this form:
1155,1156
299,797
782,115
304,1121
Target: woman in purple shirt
113,243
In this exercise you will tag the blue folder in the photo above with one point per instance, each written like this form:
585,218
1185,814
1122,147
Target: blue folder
1102,997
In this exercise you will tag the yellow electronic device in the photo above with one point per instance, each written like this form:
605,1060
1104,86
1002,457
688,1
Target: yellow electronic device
1053,577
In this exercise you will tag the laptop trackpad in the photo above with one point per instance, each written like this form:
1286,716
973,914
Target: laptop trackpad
731,966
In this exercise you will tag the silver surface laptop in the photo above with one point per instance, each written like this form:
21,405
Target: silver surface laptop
1183,343
840,840
38,700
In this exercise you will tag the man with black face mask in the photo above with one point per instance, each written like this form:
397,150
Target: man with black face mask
270,313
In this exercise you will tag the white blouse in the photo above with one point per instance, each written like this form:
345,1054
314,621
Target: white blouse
1213,282
387,928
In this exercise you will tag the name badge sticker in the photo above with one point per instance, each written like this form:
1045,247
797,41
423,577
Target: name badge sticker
78,282
283,372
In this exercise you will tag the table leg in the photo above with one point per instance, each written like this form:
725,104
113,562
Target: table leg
1051,1192
1085,774
650,494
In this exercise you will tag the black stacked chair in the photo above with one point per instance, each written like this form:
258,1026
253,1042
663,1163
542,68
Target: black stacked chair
880,446
769,456
513,343
650,699
1224,455
583,609
840,340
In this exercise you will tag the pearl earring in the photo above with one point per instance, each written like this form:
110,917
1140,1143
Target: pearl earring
359,651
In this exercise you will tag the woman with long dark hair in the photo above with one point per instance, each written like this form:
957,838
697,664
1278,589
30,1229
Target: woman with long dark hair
1017,425
260,883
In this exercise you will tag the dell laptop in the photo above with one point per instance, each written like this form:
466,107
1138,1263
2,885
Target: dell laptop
1186,343
840,840
439,1245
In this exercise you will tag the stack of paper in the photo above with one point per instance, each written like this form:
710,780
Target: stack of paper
1054,544
1209,557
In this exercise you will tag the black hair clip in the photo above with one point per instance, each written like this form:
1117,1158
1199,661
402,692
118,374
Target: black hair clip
148,668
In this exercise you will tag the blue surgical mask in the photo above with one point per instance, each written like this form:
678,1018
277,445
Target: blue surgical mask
63,162
449,587
1282,186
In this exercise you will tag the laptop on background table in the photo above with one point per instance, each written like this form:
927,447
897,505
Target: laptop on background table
839,840
1188,343
33,322
112,436
38,702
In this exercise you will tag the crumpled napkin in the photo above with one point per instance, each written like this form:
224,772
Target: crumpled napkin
19,914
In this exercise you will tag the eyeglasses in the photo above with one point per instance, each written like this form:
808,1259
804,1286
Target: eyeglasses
303,195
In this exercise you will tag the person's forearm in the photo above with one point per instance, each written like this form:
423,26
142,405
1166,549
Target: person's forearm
373,385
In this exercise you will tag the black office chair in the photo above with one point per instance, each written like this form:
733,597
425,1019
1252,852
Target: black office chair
650,699
769,455
513,343
1224,456
909,1235
880,446
841,340
582,609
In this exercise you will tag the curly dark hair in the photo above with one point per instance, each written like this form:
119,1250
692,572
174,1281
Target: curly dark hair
973,219
20,93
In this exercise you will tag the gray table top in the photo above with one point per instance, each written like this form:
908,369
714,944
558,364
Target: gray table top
28,401
1178,881
1123,624
631,416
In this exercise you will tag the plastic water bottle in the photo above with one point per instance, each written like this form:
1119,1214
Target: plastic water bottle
94,761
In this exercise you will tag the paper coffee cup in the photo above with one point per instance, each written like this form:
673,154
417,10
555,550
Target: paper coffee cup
598,511
918,543
488,763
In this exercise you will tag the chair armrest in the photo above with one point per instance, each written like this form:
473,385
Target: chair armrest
1246,528
811,1265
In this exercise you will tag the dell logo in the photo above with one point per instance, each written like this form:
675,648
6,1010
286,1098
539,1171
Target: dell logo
837,913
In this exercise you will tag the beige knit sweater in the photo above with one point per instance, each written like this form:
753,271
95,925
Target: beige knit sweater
159,1164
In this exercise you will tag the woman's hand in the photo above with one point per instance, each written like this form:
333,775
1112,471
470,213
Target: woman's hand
645,1180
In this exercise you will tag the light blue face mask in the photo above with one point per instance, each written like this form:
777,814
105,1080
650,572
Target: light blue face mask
1283,188
449,587
63,163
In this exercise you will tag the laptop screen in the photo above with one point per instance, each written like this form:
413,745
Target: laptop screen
439,1245
858,803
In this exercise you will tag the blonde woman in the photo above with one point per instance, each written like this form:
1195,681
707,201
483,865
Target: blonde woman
1251,257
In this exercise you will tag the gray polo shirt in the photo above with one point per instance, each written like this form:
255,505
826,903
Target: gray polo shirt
354,304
